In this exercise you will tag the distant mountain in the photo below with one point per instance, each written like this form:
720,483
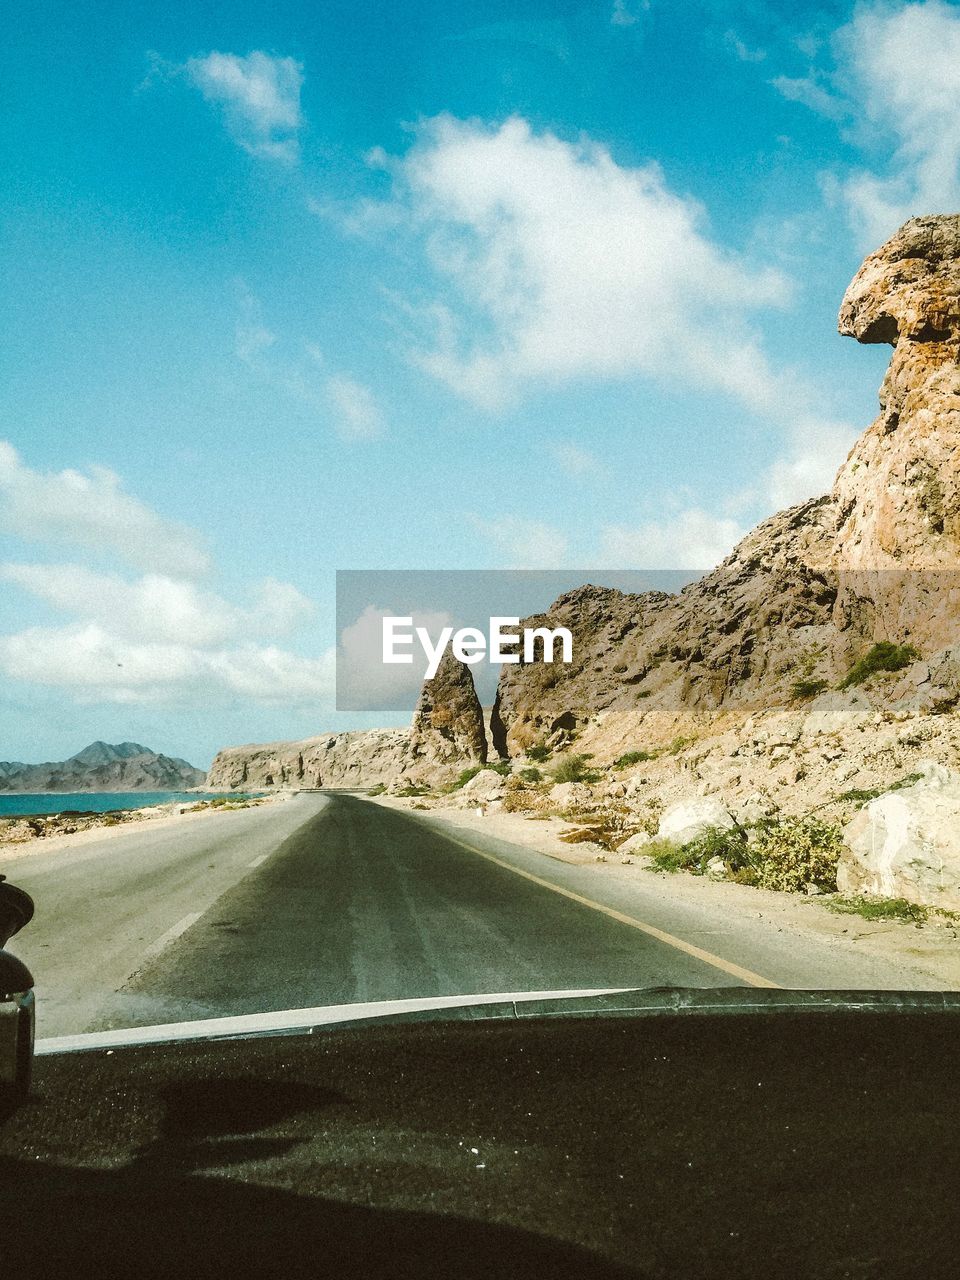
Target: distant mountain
103,766
105,752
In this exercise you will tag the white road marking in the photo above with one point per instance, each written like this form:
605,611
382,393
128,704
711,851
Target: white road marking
171,934
290,1020
256,862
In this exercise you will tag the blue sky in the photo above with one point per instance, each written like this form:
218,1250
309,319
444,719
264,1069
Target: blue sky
291,288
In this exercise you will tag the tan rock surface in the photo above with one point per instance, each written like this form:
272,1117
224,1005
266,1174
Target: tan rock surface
448,722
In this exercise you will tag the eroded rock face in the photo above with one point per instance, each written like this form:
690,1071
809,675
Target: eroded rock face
652,666
906,844
448,723
898,494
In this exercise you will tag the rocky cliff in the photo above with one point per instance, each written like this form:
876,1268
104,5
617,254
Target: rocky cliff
357,759
103,766
809,590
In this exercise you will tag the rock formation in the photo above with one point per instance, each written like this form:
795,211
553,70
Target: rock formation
448,725
898,493
103,766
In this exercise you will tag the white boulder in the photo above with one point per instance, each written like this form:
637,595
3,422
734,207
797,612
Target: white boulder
691,818
571,795
486,785
906,843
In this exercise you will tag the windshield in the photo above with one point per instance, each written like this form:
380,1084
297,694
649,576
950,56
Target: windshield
450,555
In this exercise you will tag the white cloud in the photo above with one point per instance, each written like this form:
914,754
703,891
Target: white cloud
524,543
576,461
364,680
623,12
896,79
357,414
905,63
815,452
685,539
303,375
92,510
260,97
743,51
157,638
158,609
575,267
93,665
692,539
811,92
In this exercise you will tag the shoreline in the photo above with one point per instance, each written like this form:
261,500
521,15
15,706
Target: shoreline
93,826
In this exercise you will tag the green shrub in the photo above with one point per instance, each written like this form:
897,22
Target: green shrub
793,852
880,908
464,777
678,745
413,790
804,690
378,790
503,767
665,855
539,753
859,795
884,656
863,796
633,757
906,781
731,844
531,775
574,769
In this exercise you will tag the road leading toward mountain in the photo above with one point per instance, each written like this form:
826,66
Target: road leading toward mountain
334,899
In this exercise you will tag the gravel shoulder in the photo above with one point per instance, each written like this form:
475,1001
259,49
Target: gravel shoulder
826,948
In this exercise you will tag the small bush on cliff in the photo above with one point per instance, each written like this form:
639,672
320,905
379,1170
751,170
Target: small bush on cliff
531,775
539,753
804,690
794,852
574,768
633,757
503,767
884,656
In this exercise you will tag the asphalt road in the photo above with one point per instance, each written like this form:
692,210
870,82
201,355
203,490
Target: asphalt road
323,900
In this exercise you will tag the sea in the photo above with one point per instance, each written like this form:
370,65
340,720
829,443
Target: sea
21,804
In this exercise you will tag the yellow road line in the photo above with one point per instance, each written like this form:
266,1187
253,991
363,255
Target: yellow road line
726,966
